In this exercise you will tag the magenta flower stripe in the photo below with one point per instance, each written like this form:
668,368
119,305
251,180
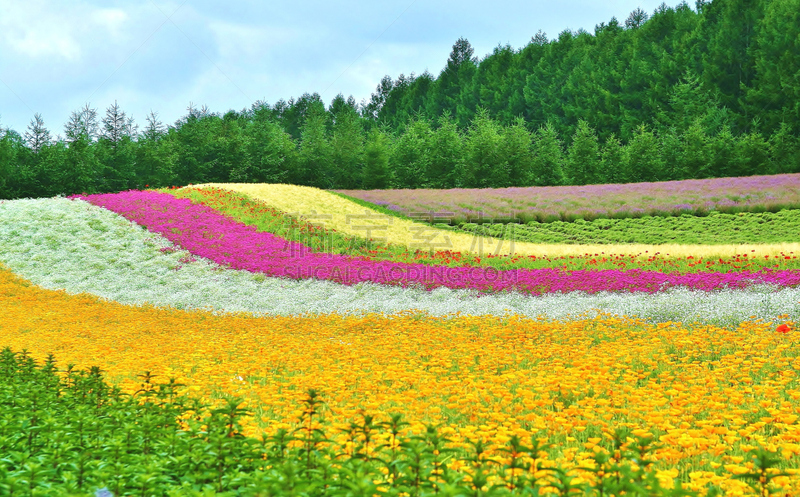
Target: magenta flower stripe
205,232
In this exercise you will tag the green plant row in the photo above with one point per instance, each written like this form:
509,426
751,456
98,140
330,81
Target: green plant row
66,432
716,228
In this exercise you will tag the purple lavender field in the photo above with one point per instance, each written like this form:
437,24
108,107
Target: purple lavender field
567,203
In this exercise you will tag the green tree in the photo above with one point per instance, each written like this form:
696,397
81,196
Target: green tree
722,156
410,155
36,158
446,164
376,173
548,158
689,102
752,155
672,153
270,154
155,155
453,83
643,157
485,165
10,173
315,158
347,149
775,95
784,151
80,170
583,161
730,32
696,153
378,99
516,150
116,151
37,135
612,158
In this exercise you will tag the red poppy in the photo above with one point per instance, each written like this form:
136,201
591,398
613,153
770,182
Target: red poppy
784,328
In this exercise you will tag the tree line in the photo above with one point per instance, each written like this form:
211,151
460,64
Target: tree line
678,94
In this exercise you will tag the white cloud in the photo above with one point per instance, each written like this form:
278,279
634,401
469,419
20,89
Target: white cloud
112,20
235,40
34,30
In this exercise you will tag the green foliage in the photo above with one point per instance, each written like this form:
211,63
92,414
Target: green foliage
583,162
752,155
446,165
784,152
270,155
515,147
410,155
485,165
347,149
722,156
376,173
316,160
715,229
548,159
695,155
643,160
67,432
775,95
612,156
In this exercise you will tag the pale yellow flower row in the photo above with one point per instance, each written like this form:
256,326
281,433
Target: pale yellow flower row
324,208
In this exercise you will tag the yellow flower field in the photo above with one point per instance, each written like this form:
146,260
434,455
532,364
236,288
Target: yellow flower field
707,394
322,207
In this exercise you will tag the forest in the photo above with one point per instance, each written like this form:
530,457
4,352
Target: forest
710,90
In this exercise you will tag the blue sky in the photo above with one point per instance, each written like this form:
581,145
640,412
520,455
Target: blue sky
55,56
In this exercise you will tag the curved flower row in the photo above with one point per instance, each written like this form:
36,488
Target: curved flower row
71,245
207,233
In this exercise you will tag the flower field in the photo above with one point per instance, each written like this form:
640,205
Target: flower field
566,203
698,360
329,210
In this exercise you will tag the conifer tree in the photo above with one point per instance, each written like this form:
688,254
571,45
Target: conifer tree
376,173
485,165
612,156
516,149
784,151
445,168
696,153
347,148
722,157
316,168
155,156
37,135
583,161
410,155
672,151
643,159
752,155
548,158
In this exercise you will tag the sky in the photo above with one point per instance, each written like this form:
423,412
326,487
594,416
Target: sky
156,55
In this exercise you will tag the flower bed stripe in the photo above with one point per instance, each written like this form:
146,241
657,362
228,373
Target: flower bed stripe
305,201
75,246
207,233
